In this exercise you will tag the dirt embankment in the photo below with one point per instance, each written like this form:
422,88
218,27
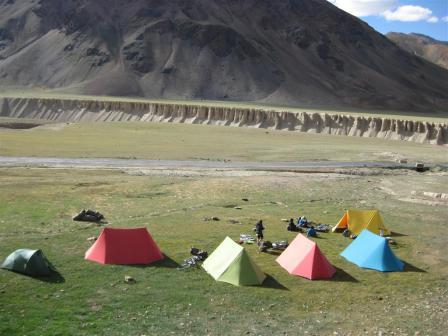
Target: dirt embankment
66,110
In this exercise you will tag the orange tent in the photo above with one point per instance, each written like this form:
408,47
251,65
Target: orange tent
125,247
303,258
357,220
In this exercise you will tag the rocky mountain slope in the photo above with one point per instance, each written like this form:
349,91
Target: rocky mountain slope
304,52
424,46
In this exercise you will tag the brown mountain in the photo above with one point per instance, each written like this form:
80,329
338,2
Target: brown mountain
424,46
305,52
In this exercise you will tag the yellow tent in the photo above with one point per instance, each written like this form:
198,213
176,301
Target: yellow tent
357,220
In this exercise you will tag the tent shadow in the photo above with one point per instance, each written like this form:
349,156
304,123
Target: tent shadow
273,252
55,277
396,234
411,268
166,262
271,282
342,276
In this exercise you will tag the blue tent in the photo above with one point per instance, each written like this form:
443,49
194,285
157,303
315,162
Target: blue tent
372,251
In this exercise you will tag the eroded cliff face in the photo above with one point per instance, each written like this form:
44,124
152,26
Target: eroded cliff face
65,110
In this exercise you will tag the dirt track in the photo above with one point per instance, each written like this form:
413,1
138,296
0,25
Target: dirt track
172,164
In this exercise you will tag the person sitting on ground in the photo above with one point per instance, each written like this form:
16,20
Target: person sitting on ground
259,231
291,225
311,232
303,222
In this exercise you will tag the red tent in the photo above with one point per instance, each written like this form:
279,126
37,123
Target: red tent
303,258
124,246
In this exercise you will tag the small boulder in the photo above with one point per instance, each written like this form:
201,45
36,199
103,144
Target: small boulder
128,279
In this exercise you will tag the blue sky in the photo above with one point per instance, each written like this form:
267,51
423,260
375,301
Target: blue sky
429,17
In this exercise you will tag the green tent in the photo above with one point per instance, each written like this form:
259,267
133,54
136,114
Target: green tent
231,263
29,262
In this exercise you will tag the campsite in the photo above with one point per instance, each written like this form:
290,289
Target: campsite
172,208
223,167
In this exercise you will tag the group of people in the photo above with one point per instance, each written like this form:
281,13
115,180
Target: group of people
302,223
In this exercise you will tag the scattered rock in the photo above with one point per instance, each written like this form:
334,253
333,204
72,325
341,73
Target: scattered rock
129,279
92,239
433,195
245,199
285,220
238,208
233,221
213,218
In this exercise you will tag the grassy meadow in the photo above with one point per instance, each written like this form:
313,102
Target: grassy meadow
36,206
192,142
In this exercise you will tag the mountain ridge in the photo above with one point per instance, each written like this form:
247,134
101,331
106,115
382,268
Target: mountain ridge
305,52
424,46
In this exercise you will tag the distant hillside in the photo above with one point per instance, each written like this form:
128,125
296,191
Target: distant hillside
285,52
424,46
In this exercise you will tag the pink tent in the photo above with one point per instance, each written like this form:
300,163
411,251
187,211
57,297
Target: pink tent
303,258
125,247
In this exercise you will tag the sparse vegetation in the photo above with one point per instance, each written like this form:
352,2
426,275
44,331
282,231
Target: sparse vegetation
186,142
36,206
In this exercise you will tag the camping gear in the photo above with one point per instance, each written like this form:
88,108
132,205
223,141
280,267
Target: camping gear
231,263
28,262
264,246
322,228
304,258
125,247
247,239
369,250
202,255
357,220
278,245
197,257
89,216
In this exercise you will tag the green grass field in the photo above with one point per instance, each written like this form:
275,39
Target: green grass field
186,142
36,206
